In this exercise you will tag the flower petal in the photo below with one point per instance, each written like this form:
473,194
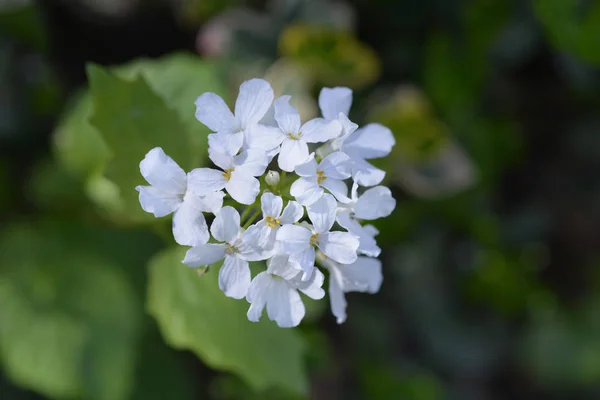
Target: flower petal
292,213
189,225
264,137
337,188
375,203
339,246
371,141
322,213
308,168
242,187
318,130
284,305
204,254
336,296
365,174
306,191
282,266
256,295
203,181
162,172
234,277
364,275
212,202
212,111
225,144
333,101
336,165
295,238
157,202
253,101
271,205
226,226
306,260
251,162
257,235
312,287
287,117
292,153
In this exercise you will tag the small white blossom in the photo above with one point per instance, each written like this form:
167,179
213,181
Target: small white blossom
253,101
363,275
272,178
291,135
277,289
263,233
170,193
234,276
328,174
335,104
237,176
300,241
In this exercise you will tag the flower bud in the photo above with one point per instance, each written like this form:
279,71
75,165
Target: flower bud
272,178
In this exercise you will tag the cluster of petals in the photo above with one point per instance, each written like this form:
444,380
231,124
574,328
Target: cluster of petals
306,224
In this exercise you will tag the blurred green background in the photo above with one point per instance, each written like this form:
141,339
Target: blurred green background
491,259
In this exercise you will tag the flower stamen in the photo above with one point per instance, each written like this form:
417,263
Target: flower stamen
320,177
314,239
227,173
295,136
272,222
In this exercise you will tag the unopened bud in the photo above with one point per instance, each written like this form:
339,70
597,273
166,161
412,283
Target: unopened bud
272,178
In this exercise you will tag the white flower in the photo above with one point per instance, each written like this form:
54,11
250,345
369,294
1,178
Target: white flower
371,141
364,275
277,289
335,104
234,276
263,233
253,101
170,193
292,137
300,241
237,177
328,174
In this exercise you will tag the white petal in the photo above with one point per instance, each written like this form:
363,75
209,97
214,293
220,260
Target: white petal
365,174
282,266
251,162
243,188
337,188
312,287
306,260
367,243
157,202
284,305
336,165
371,141
364,275
295,238
287,117
211,203
292,213
344,218
189,225
256,295
250,253
333,101
263,137
227,144
322,213
306,191
339,246
375,203
204,254
234,277
203,181
348,127
336,297
292,153
226,226
162,172
257,235
212,111
308,168
253,101
319,130
271,205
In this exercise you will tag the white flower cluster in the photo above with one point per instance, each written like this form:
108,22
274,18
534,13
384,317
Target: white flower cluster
243,145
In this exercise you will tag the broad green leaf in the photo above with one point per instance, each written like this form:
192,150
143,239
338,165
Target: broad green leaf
194,314
69,316
132,119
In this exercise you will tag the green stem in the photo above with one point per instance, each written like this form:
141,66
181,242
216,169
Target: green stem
246,212
252,218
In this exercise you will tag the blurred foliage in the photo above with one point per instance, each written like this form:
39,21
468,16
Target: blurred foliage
490,259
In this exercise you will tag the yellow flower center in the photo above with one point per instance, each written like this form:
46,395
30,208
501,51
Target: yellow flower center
272,222
295,136
320,176
314,239
227,173
230,250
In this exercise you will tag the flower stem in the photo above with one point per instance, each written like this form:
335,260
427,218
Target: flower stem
252,218
246,212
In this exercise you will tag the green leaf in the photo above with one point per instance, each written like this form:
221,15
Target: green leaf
194,314
132,120
69,316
